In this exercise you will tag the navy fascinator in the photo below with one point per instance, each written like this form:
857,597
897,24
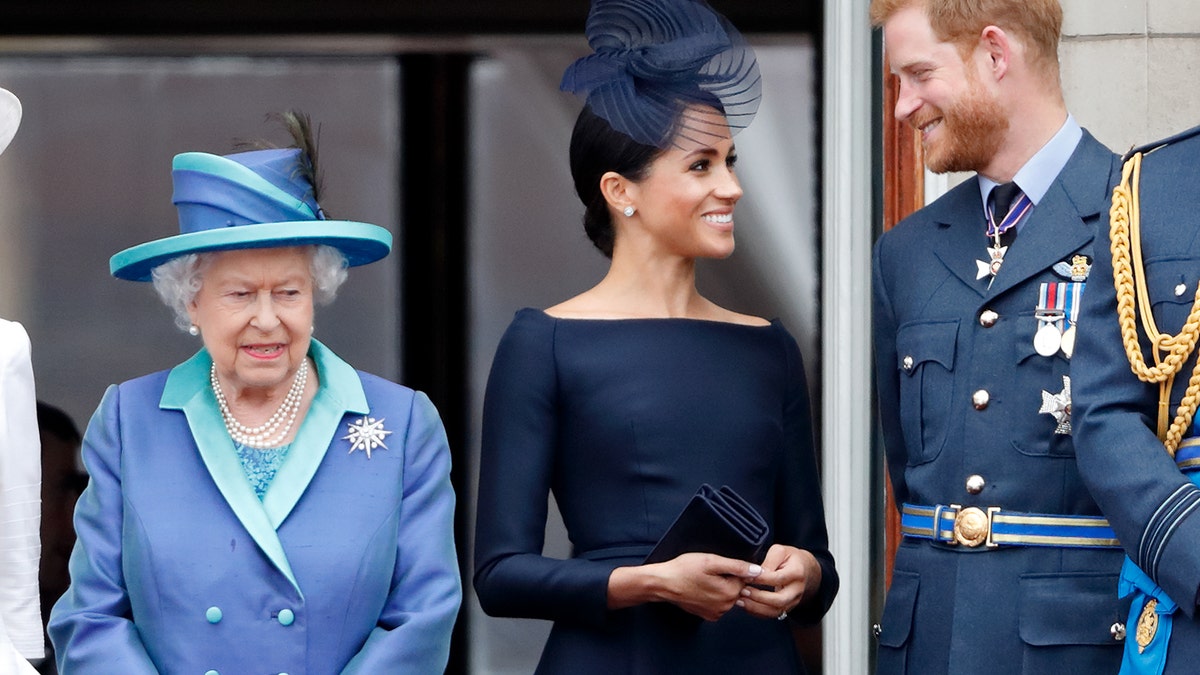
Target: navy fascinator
654,58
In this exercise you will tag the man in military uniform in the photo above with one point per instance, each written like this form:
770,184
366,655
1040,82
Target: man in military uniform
1138,383
1006,565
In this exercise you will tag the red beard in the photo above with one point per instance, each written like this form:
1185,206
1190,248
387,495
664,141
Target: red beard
971,132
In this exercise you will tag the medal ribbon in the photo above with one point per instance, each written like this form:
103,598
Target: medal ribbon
1015,213
1054,297
1074,295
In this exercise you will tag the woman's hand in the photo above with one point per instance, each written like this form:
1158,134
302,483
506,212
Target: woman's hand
703,584
790,576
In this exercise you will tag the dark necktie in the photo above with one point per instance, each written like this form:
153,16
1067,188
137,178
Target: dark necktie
1003,201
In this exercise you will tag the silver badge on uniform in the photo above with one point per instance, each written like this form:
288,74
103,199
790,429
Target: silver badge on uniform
1056,313
1059,406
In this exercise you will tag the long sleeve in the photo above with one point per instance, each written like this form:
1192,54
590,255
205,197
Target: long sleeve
512,577
800,513
20,495
1144,495
11,662
883,332
91,626
413,635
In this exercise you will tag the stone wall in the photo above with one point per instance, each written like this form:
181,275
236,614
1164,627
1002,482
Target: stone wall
1131,68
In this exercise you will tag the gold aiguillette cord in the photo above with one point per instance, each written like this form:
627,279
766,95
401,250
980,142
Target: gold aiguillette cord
1170,352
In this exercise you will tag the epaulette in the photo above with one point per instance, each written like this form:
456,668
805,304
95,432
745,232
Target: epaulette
1150,147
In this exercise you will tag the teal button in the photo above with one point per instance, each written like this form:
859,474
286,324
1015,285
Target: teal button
286,617
212,672
214,616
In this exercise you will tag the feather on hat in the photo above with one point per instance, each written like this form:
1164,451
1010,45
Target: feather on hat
256,199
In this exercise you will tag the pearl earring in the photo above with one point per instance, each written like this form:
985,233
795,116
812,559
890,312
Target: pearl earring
193,330
629,211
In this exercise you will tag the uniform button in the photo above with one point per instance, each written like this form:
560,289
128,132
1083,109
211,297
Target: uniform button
286,617
988,318
211,672
980,399
907,363
876,630
975,484
1117,631
1180,290
213,615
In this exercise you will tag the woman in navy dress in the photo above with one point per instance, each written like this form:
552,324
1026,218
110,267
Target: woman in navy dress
623,400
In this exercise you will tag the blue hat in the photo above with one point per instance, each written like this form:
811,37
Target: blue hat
256,199
653,58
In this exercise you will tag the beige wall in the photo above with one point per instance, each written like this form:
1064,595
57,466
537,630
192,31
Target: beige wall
1131,67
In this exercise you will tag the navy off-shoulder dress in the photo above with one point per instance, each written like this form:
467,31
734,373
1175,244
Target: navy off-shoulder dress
623,420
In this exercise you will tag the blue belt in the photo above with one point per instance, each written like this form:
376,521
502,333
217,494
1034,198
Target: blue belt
992,526
1187,457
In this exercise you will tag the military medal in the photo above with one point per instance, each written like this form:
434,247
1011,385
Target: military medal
1074,293
1068,341
1058,406
1147,625
1077,271
991,266
1049,313
1047,340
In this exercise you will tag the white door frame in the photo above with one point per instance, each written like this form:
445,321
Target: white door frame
847,393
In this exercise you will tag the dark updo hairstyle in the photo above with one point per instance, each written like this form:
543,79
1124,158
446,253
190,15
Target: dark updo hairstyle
597,148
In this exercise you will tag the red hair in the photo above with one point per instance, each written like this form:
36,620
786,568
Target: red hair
1037,23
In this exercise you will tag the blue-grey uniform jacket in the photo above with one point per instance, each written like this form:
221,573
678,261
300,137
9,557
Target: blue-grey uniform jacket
960,389
1149,500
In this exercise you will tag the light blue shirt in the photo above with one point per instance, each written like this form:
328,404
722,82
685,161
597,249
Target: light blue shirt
1036,176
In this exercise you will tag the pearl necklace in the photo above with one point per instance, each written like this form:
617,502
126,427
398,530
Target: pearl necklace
268,434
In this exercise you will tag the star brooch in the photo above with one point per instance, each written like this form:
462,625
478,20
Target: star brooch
366,434
1059,406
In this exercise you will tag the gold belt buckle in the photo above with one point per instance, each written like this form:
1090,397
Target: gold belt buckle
973,526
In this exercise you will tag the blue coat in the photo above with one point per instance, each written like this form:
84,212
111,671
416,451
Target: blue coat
1149,501
347,565
980,611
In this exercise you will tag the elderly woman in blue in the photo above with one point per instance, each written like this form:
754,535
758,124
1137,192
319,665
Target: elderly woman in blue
262,507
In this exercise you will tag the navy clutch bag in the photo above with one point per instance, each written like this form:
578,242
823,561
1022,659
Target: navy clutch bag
716,520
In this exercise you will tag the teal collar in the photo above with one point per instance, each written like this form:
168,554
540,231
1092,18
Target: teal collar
340,392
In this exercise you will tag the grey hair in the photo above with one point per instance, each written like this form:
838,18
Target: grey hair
178,280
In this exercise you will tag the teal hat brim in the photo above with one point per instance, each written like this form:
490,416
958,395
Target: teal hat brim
361,243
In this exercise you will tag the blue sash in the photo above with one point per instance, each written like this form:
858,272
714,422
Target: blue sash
1152,659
